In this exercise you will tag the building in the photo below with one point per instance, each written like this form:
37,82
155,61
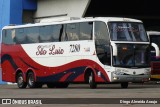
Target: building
30,11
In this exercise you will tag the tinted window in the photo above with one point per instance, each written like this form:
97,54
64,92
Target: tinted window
33,34
86,30
101,33
154,39
20,36
72,31
57,32
102,43
125,31
46,33
8,36
63,36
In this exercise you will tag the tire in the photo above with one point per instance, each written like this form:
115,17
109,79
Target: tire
20,81
62,85
91,80
124,85
31,80
51,85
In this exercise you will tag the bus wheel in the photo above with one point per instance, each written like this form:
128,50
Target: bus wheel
62,85
30,80
91,81
20,81
124,85
51,85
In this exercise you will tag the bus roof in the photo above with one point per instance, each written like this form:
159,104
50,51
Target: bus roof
153,32
70,20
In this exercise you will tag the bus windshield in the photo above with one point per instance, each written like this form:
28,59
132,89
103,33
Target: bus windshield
125,31
132,55
154,39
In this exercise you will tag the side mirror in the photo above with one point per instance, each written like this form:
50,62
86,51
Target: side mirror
156,48
114,46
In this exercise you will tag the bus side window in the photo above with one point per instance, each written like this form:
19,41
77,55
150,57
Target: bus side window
86,30
20,36
56,32
102,43
45,34
33,34
7,36
72,31
63,36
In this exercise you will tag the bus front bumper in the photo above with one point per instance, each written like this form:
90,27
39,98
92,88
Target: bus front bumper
130,78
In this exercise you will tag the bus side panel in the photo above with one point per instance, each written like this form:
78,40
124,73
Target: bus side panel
11,62
14,58
155,70
7,72
73,72
8,64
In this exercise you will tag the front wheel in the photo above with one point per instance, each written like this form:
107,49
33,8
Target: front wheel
20,81
124,85
91,81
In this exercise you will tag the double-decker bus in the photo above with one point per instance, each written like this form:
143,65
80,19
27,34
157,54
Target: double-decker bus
155,59
86,50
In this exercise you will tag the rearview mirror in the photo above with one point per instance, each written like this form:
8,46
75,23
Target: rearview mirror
156,48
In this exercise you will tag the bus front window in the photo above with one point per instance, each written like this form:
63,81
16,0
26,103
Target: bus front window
130,55
125,31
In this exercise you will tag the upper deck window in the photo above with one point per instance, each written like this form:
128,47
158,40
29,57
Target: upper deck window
125,31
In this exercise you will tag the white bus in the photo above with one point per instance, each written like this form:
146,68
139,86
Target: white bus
154,37
86,50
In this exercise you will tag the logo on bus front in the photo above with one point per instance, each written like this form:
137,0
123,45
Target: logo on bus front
134,72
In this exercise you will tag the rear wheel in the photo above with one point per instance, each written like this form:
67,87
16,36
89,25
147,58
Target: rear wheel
124,85
20,81
91,81
31,81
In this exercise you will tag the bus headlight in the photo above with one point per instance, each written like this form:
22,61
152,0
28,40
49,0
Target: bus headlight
115,78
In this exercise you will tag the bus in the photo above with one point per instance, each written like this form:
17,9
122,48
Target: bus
155,61
86,50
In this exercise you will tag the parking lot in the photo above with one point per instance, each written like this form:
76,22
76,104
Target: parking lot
139,90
